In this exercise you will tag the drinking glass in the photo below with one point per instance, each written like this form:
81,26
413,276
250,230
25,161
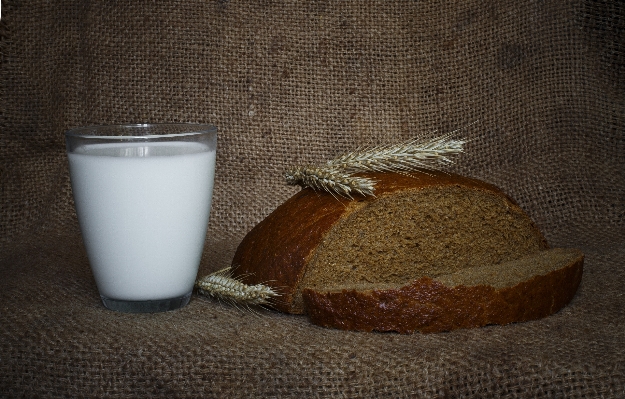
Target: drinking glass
143,194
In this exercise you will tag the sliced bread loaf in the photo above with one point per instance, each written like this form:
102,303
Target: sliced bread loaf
525,289
423,226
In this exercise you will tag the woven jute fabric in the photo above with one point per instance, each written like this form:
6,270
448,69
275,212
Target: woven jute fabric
537,87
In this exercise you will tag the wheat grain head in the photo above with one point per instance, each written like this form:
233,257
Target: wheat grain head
222,286
329,179
336,176
408,156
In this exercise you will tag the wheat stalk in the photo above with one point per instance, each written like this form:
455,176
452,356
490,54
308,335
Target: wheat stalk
222,286
336,176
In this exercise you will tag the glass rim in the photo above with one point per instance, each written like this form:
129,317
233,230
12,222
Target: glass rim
194,129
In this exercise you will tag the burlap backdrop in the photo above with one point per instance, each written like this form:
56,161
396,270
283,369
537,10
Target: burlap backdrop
299,81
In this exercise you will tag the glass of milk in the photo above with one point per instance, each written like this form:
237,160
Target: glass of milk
143,196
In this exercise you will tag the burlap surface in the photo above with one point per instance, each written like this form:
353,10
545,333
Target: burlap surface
299,81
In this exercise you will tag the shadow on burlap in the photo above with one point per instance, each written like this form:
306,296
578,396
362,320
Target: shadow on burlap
295,82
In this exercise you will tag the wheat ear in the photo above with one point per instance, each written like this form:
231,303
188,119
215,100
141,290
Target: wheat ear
329,179
336,176
222,286
409,156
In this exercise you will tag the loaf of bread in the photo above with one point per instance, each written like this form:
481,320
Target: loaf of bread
430,252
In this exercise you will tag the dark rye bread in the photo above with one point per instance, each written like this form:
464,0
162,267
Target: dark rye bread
525,289
418,233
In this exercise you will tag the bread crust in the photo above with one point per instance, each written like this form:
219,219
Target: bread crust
277,250
429,306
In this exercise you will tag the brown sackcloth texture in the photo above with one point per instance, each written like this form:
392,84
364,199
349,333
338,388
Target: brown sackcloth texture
293,82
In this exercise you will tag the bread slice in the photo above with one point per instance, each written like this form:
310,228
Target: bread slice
525,289
422,226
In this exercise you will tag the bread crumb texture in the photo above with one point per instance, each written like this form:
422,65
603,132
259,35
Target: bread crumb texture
433,232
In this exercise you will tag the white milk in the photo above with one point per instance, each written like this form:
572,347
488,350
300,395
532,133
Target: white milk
143,211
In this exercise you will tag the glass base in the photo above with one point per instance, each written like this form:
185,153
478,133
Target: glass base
151,306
